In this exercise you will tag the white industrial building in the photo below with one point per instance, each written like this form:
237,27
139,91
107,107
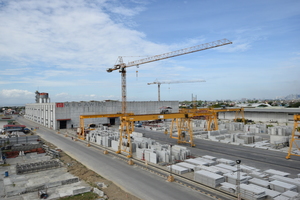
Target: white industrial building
265,115
66,114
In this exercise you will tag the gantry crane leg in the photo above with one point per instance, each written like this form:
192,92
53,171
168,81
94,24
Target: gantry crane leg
295,137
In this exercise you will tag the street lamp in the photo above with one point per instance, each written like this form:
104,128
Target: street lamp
170,177
238,162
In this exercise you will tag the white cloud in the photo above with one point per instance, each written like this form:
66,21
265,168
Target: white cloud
16,93
70,34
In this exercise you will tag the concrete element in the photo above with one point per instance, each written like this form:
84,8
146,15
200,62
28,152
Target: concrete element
277,172
271,194
228,187
208,178
210,169
282,186
178,169
57,182
99,192
259,182
291,195
286,180
252,193
38,166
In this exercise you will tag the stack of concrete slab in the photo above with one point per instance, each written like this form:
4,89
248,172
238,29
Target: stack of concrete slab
292,195
188,166
280,197
282,186
208,178
196,162
244,139
280,130
210,162
115,145
212,158
226,161
228,167
257,174
233,178
271,194
178,169
210,169
252,193
222,170
259,182
180,153
248,169
277,172
228,187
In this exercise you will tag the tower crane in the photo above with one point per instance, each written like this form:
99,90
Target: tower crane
121,66
171,82
126,128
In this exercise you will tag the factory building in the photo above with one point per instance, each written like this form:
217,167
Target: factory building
269,114
62,115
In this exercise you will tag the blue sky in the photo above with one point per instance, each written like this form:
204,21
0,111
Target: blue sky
64,47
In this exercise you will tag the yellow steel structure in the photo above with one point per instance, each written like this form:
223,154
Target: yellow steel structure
81,134
212,117
183,123
295,137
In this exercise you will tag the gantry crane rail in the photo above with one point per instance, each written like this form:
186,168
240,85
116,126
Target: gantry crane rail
295,137
171,82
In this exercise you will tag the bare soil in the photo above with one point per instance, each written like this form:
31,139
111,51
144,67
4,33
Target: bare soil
112,191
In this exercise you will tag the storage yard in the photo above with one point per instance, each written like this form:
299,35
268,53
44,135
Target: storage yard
274,178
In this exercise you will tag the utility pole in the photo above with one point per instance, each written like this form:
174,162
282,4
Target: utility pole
238,162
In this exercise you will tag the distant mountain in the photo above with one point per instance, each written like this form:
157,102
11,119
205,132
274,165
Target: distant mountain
292,96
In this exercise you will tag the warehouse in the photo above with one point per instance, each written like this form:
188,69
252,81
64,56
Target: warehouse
64,115
266,115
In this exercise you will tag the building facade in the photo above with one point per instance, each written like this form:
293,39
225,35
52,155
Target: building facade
269,114
62,115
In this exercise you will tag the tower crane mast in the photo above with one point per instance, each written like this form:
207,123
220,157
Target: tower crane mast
121,66
171,82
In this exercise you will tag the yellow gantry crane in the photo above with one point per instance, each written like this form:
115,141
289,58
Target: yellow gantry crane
295,137
171,82
121,66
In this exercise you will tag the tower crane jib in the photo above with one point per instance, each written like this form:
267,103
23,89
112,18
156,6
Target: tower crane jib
121,66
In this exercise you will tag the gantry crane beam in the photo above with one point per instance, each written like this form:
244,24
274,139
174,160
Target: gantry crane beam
184,124
295,137
213,117
171,82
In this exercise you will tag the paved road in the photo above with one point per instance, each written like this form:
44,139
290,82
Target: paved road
259,158
134,180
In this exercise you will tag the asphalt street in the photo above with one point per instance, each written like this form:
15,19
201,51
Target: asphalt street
134,180
259,158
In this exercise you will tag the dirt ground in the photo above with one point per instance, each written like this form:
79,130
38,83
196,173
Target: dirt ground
112,191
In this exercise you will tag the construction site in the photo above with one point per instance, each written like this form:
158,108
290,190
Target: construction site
154,150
